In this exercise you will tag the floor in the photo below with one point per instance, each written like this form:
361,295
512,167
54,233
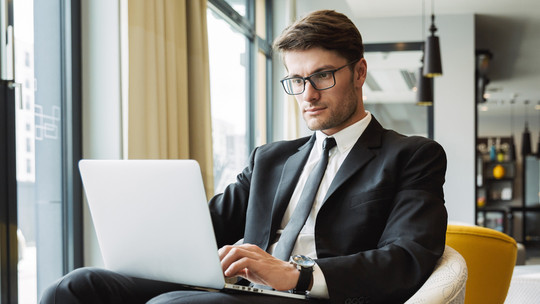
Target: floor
524,287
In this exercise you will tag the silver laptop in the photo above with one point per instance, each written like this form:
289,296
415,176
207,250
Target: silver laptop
152,221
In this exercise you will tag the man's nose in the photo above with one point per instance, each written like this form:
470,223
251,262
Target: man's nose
310,93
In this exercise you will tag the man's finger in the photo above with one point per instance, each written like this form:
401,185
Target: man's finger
238,268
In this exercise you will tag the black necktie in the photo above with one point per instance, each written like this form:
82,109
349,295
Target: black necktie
287,240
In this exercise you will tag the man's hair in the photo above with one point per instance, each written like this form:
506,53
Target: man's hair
326,29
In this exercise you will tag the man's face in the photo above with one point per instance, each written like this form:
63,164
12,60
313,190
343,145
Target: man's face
333,109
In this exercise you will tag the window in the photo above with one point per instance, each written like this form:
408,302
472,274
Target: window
43,226
390,88
239,56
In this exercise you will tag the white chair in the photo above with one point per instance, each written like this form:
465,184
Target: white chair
447,282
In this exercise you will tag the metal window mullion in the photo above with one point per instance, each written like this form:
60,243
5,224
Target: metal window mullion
269,103
71,135
264,46
252,107
8,197
252,96
269,73
394,47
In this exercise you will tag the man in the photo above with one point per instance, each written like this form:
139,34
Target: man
377,223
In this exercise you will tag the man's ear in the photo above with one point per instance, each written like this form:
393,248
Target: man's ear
360,71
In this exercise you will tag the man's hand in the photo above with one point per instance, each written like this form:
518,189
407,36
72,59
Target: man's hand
257,266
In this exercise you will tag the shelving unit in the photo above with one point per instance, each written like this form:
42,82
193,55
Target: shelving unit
499,201
530,209
496,181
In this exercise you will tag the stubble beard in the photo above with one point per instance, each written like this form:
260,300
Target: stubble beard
338,117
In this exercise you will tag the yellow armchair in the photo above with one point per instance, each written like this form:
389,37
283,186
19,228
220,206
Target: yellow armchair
490,256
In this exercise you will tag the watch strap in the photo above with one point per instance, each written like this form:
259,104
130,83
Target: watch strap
304,280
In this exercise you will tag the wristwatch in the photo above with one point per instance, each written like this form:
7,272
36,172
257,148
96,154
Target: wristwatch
304,264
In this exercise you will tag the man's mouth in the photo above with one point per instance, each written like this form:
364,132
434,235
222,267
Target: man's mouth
314,110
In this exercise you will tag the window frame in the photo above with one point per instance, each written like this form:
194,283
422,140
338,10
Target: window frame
246,26
72,135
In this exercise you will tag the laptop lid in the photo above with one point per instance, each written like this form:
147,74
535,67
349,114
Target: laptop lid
152,220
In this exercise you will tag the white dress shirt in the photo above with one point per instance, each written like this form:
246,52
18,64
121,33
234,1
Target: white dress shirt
305,243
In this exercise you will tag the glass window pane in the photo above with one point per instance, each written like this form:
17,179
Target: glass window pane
240,6
390,91
405,118
39,147
228,51
25,138
24,67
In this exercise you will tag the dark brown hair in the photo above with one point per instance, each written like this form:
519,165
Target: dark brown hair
327,29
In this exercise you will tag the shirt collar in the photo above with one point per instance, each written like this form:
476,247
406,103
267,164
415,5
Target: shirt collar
347,137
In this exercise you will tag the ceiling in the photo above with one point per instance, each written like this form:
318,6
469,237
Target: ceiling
510,29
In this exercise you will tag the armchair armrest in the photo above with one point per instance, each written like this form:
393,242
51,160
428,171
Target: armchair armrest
447,282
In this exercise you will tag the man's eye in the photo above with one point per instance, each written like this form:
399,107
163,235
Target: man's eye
323,75
297,81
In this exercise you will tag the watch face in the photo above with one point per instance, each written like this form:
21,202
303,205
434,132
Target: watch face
303,261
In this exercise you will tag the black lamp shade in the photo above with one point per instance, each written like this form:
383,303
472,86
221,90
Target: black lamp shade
538,148
424,90
526,141
432,63
512,149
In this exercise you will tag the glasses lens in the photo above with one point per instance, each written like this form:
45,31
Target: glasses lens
323,80
293,86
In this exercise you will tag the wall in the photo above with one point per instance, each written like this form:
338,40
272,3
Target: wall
454,110
454,117
102,131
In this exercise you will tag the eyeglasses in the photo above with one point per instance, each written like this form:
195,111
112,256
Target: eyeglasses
319,81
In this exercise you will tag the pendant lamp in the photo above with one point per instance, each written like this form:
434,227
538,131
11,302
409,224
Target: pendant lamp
538,144
432,64
526,136
526,141
512,147
424,89
424,85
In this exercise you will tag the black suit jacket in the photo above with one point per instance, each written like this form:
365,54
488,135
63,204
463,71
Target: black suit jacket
382,227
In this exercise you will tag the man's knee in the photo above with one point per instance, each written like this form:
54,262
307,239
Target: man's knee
73,286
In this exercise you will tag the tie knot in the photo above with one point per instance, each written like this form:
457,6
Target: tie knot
329,143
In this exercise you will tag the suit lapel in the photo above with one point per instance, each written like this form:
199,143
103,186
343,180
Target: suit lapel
361,153
288,181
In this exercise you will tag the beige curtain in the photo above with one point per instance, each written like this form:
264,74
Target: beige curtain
169,86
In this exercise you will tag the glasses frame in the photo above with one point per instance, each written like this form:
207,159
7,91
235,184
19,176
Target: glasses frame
308,78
